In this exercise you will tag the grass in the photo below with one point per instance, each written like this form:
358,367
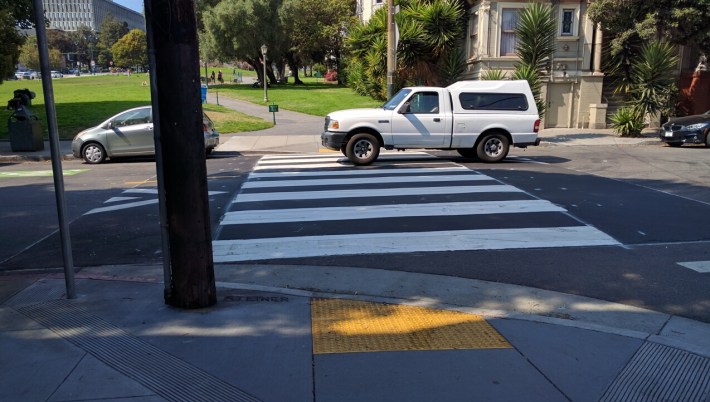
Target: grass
315,97
86,101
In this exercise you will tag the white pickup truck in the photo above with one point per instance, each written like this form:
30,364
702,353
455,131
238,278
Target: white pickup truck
479,119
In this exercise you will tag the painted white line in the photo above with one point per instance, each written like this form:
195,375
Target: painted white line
119,199
377,243
136,203
700,266
341,164
122,206
388,211
142,190
336,156
366,180
378,192
359,172
336,161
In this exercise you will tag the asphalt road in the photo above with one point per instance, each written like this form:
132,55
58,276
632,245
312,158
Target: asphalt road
653,202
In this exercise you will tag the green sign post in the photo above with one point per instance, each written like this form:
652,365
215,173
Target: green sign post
273,109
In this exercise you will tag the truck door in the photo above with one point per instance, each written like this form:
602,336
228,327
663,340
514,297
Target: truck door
421,122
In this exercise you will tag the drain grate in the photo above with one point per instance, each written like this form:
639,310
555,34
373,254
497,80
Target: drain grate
164,374
662,373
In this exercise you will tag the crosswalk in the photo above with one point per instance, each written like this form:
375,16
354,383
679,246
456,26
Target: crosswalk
299,206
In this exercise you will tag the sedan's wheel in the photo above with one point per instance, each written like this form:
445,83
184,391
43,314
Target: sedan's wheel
467,152
343,150
493,148
707,139
362,149
93,153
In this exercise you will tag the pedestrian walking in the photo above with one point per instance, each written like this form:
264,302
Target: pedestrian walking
213,77
219,77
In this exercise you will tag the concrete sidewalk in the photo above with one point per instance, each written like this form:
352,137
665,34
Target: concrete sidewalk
302,333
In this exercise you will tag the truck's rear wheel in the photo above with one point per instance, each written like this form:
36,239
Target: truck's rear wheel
493,148
362,149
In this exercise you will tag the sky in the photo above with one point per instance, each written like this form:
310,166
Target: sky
135,5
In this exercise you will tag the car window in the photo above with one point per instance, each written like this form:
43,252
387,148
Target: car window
424,102
133,117
492,101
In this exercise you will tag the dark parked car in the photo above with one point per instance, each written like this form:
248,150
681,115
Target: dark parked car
687,130
129,133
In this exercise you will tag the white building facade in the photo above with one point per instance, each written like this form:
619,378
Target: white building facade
69,15
573,86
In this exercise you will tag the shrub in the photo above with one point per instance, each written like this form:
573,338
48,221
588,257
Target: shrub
319,68
627,122
495,74
331,75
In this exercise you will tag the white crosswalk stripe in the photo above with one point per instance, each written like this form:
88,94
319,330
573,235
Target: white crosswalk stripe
298,206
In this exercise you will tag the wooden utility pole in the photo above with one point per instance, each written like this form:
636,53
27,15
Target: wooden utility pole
180,152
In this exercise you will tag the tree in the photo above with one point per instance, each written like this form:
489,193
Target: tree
13,14
110,32
536,45
84,40
131,50
316,30
236,31
427,50
681,22
29,55
60,40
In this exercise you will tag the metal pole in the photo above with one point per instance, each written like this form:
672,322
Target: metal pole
54,149
266,97
390,48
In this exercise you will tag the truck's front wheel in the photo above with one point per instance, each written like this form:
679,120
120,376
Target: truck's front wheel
362,149
493,148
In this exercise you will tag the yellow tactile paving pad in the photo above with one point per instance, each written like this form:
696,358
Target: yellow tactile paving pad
346,326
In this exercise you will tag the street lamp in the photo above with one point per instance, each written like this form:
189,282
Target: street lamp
264,49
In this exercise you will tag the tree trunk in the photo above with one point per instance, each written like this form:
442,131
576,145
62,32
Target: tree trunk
293,65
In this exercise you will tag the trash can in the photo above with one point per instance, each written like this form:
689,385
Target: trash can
203,89
25,134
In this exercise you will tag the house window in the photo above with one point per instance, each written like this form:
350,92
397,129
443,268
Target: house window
473,36
508,38
567,22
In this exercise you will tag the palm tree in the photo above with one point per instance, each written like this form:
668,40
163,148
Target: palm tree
536,45
653,77
428,50
536,36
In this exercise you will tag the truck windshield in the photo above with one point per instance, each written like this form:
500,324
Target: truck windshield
396,99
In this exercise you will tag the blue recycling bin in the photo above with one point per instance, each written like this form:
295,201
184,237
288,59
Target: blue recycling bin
203,89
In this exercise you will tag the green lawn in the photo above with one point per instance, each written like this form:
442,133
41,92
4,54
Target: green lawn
315,97
86,101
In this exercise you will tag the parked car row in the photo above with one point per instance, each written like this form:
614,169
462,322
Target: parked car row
129,133
31,74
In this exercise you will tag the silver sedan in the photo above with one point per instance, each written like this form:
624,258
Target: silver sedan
129,133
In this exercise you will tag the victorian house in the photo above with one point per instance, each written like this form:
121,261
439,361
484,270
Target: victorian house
575,90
